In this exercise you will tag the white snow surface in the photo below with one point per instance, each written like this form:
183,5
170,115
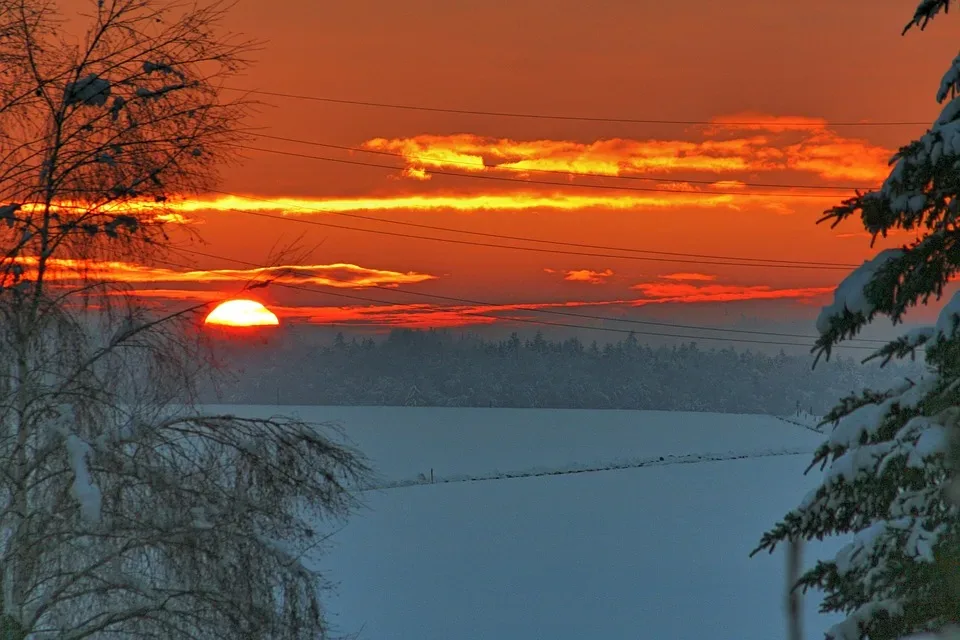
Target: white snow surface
616,555
83,489
850,292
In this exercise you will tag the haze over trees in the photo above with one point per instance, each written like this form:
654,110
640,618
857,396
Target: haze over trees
439,368
125,512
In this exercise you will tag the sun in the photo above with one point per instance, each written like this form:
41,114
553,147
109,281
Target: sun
241,313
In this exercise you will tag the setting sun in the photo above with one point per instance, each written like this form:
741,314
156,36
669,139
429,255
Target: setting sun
242,313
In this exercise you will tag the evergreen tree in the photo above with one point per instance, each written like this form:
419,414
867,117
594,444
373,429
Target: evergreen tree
887,460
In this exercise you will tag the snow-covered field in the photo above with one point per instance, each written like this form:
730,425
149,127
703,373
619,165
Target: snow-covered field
656,550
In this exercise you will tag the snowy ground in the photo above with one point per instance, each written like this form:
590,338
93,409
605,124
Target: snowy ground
656,550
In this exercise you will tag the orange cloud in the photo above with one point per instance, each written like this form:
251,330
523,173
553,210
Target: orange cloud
200,295
751,121
670,196
160,211
588,275
411,316
176,218
429,315
660,292
611,157
340,275
416,173
688,276
818,151
426,315
859,234
728,184
833,157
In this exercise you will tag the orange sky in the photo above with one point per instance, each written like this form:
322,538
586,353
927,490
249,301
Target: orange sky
766,62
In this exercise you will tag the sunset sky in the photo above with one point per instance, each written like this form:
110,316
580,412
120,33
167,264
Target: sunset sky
777,80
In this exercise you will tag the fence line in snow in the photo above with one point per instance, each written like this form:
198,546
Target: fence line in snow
652,461
798,424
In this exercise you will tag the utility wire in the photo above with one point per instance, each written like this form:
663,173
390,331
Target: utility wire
568,174
310,289
767,264
482,303
576,118
473,176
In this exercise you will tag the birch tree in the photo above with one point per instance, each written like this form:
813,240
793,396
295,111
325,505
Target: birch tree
125,510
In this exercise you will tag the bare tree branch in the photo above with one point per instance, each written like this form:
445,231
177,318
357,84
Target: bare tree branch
125,510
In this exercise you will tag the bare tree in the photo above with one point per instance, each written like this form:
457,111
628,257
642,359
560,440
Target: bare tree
125,511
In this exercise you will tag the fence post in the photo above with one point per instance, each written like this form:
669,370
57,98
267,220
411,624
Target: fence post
794,599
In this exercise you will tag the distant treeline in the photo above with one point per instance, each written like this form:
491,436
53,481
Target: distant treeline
436,368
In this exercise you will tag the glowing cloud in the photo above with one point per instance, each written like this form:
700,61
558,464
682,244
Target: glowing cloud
688,276
752,121
833,157
660,292
341,275
426,315
436,316
242,313
588,276
670,196
810,148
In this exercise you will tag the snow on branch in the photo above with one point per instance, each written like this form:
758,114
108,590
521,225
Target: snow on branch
83,488
90,90
850,629
856,301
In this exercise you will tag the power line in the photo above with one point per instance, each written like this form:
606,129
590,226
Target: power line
577,118
766,264
558,312
569,174
473,176
545,311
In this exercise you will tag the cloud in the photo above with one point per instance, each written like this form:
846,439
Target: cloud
688,276
710,168
605,157
429,315
670,196
199,295
152,210
660,293
176,218
833,157
417,173
437,316
752,121
810,148
728,184
588,275
340,275
411,316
